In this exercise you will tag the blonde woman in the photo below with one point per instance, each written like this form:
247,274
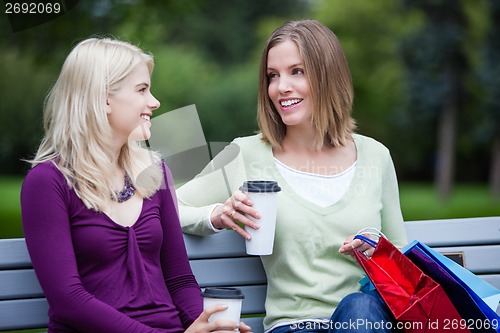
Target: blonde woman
100,218
334,183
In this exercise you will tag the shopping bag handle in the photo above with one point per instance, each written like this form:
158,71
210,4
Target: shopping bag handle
370,231
373,243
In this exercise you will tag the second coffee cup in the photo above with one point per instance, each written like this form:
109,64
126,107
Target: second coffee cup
231,297
263,193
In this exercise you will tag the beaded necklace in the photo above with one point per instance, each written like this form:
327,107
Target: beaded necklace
127,192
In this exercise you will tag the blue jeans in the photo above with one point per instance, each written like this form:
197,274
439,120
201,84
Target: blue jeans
357,312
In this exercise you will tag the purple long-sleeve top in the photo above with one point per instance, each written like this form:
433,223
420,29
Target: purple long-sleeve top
99,276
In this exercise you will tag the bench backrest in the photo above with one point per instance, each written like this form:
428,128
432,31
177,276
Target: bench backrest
221,261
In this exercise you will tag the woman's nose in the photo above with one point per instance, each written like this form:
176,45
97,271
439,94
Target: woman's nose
284,85
154,103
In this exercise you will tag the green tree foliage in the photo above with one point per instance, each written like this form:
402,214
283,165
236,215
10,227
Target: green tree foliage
369,32
23,86
435,63
490,75
206,53
224,31
397,52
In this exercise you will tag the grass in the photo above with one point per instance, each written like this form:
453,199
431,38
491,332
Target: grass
10,209
419,201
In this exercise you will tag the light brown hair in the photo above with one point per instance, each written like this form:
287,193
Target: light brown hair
330,82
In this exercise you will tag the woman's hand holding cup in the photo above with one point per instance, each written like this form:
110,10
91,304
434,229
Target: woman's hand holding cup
234,210
202,325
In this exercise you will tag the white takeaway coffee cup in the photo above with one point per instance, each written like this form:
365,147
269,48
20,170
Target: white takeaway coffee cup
263,193
231,297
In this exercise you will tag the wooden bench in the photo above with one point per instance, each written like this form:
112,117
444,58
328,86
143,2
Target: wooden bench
221,261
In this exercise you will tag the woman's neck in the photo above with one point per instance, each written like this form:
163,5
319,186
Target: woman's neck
301,139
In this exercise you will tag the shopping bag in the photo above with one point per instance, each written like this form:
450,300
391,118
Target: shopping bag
415,300
475,299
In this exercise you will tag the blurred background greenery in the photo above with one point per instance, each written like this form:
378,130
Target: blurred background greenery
426,76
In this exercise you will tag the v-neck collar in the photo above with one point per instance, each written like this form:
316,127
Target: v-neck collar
360,165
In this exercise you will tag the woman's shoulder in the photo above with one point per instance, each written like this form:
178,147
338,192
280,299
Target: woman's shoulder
47,169
251,141
44,174
370,145
253,147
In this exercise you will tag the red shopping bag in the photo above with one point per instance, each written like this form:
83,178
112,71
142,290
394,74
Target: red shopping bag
415,300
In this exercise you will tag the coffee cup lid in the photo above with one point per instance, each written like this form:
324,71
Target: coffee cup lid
260,186
223,292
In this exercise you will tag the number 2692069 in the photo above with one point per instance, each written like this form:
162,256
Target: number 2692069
32,8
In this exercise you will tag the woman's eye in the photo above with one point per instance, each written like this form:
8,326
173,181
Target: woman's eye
272,75
298,71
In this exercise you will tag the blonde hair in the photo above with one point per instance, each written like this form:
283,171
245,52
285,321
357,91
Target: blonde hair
329,79
77,132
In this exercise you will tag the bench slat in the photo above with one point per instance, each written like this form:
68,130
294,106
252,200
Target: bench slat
256,323
19,283
222,245
35,310
24,314
455,232
23,283
478,259
255,297
228,272
14,254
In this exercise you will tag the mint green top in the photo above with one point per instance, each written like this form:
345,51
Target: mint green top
307,277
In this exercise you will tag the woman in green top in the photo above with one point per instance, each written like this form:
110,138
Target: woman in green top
334,183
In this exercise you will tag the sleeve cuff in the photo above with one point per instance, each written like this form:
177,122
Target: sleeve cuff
209,222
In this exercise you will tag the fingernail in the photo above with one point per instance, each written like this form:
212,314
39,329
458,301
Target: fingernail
250,202
341,250
256,226
249,237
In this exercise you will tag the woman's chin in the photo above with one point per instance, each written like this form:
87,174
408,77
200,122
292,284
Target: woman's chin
142,135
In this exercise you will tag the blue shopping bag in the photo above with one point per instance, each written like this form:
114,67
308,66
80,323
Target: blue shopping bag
475,299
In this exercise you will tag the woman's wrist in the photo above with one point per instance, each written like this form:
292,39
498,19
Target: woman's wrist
215,217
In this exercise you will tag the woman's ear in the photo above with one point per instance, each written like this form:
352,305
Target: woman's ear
108,106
